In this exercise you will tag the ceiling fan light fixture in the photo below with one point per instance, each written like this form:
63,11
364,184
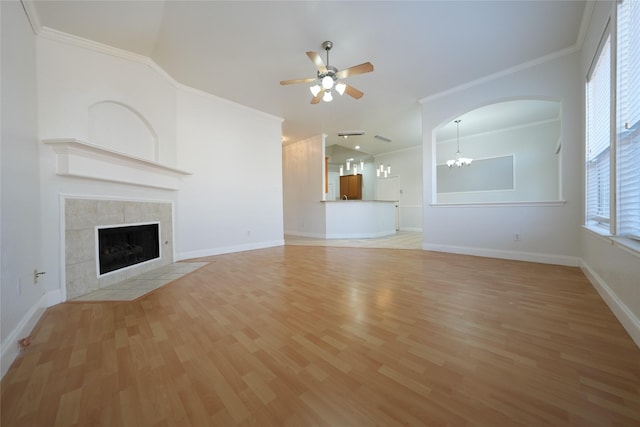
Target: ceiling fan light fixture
328,77
327,82
315,89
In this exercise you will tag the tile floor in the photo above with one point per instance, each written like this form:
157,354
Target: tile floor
399,240
135,287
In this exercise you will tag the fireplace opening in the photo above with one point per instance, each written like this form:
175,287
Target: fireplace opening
123,246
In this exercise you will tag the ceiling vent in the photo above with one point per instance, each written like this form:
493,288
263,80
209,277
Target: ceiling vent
382,138
351,133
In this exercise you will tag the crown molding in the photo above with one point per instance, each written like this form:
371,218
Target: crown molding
501,130
576,47
59,36
70,39
529,64
584,24
400,150
32,16
200,92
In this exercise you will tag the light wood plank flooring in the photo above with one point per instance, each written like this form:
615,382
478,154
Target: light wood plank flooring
333,336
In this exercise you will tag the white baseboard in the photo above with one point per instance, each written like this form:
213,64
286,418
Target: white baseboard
629,321
10,348
360,235
227,250
346,235
513,255
305,234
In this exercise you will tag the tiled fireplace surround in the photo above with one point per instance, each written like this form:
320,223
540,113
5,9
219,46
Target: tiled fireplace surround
82,216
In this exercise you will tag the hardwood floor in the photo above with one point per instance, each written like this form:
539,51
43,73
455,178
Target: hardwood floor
334,336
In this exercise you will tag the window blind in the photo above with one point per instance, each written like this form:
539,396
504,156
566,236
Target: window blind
598,94
628,118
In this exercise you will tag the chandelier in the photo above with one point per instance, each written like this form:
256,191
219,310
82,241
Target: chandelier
352,167
459,160
381,171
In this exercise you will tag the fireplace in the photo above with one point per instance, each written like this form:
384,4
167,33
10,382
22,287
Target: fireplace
123,246
83,217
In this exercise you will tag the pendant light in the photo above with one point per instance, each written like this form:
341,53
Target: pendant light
459,161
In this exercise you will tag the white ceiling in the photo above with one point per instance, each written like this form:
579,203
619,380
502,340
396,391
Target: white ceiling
241,50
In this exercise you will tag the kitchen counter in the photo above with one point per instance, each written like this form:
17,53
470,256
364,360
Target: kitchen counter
338,201
359,219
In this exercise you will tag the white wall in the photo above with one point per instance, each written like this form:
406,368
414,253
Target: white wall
549,232
72,78
334,182
613,269
20,248
233,201
303,185
368,181
407,166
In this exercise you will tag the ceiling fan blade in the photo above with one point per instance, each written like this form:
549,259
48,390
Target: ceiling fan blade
294,81
317,61
317,98
366,67
353,92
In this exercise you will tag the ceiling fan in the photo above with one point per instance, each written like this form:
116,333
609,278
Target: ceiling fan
329,77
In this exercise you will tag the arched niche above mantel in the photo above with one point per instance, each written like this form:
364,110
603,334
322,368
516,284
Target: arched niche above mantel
119,127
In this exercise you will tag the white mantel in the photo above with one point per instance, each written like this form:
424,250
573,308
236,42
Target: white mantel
84,160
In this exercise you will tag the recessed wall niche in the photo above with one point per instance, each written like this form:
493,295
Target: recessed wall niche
516,150
121,128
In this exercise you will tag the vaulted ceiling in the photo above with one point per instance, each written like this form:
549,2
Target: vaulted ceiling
241,50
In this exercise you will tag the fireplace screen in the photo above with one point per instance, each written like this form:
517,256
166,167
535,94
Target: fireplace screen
120,247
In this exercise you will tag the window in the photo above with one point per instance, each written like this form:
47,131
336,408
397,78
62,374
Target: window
617,163
598,97
628,119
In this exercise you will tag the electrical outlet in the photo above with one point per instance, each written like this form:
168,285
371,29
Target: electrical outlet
516,237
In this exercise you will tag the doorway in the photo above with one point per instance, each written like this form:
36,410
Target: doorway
389,189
